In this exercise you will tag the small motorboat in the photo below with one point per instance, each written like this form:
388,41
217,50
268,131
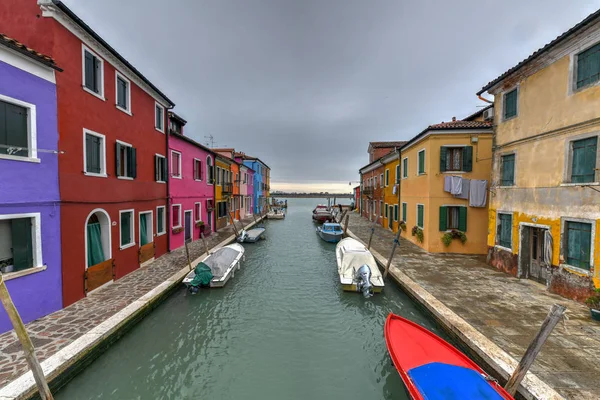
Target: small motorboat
322,215
431,368
251,235
330,232
357,268
276,213
221,264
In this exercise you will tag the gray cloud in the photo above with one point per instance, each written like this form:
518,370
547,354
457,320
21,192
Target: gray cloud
305,85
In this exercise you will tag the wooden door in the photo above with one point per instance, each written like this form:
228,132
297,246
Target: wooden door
188,226
390,217
537,266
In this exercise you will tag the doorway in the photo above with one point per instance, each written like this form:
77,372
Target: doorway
188,226
533,249
390,217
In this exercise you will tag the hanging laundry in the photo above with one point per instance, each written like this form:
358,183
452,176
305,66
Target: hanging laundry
478,193
456,187
395,189
447,183
464,193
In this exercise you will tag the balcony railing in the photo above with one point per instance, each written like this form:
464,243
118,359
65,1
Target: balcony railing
227,188
367,190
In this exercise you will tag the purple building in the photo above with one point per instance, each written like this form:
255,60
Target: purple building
30,259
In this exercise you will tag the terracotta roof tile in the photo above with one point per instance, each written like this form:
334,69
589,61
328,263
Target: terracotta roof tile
31,53
461,125
377,145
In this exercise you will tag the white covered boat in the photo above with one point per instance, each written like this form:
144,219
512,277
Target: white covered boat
276,213
357,268
251,235
222,263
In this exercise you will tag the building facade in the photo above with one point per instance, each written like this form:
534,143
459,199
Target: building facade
30,253
223,190
261,170
458,153
191,188
391,192
243,185
544,220
112,123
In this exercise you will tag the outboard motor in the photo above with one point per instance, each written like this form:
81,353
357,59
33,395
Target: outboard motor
363,281
242,237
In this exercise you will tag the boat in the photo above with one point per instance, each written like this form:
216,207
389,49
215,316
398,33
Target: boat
221,263
330,232
251,235
431,368
276,213
357,268
322,215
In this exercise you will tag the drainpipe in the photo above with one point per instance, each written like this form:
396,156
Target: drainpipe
484,99
399,179
168,183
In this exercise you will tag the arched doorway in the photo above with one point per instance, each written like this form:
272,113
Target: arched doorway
98,253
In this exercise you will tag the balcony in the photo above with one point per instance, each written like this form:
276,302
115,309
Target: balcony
367,190
227,188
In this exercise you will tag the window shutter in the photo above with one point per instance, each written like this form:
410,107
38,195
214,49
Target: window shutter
22,243
468,158
200,170
443,218
16,128
195,169
118,158
164,169
404,212
443,155
89,71
132,162
96,78
156,169
89,154
396,212
462,219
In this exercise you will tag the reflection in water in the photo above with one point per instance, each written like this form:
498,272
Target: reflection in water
281,329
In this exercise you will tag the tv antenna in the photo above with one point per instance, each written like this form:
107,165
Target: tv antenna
210,141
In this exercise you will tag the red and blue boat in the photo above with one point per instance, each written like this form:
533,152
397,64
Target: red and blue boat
432,369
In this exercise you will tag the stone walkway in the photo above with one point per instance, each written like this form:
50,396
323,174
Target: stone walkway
55,331
507,310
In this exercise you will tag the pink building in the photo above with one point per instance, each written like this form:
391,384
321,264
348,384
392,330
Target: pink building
191,189
244,176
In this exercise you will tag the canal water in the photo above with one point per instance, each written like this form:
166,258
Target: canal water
281,329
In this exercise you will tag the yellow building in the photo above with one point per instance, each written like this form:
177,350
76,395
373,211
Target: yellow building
544,217
459,151
391,182
223,190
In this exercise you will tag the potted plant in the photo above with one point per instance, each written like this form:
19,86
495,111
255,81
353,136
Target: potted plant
178,229
418,232
200,224
403,226
449,236
593,302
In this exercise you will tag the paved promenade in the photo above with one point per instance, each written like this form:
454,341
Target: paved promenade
506,310
56,331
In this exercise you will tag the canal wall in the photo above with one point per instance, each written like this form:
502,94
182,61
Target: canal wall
482,350
63,365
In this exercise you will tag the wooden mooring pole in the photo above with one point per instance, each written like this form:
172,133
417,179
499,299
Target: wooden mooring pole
204,241
387,266
554,316
28,349
233,223
372,231
187,253
346,224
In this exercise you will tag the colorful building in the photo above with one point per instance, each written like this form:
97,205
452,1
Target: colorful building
191,188
261,174
243,185
391,192
249,202
30,256
223,190
371,177
112,123
456,152
544,217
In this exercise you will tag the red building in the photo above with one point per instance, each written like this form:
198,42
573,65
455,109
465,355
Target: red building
112,168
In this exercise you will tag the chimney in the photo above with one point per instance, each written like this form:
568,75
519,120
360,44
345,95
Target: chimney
453,119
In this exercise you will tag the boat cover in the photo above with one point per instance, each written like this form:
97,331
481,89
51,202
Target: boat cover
330,227
253,234
439,381
203,275
221,260
354,255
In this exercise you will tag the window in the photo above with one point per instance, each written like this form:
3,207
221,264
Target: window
588,66
452,217
421,162
380,208
146,231
381,180
176,217
395,212
127,228
219,176
420,216
578,244
198,212
504,230
209,171
405,167
123,91
125,159
93,73
375,182
222,209
197,169
404,208
510,104
583,160
17,128
161,220
387,177
159,117
397,180
160,168
386,210
507,177
20,242
458,158
94,157
175,164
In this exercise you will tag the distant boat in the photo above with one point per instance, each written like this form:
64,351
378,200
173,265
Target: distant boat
276,214
357,268
330,232
251,235
322,213
431,368
221,263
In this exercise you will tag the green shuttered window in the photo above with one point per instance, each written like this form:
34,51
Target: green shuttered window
126,228
583,167
453,218
456,158
386,210
387,177
588,66
126,160
122,93
396,212
404,212
93,153
160,169
420,215
578,244
405,168
421,162
504,230
22,243
508,170
13,130
510,104
93,72
397,173
160,220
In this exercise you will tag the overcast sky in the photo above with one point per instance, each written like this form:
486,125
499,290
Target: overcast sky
305,85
